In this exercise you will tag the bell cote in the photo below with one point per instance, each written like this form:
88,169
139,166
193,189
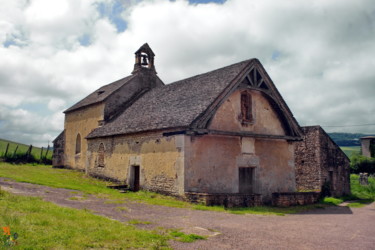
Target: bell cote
144,60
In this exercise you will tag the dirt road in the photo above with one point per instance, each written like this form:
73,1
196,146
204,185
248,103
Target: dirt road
330,228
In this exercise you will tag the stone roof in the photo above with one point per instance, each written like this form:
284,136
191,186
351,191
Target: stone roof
174,105
368,137
100,94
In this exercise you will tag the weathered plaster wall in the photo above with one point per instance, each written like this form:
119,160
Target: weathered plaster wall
212,164
276,167
265,119
81,121
160,159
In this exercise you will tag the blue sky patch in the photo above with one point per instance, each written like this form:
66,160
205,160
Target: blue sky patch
113,13
275,55
85,40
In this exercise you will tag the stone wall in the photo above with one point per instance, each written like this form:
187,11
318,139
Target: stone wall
335,167
226,200
307,161
321,163
294,198
58,150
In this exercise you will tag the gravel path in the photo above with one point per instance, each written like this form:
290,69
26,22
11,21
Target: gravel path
329,228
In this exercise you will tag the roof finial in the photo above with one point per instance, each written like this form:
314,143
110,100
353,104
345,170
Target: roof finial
144,59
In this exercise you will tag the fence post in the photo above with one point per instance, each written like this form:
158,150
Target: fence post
15,152
29,152
41,155
6,151
45,157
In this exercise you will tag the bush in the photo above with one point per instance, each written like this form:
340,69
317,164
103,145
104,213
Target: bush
25,158
362,164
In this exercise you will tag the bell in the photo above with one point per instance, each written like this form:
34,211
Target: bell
144,60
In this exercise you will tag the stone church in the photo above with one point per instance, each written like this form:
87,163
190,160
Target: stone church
225,132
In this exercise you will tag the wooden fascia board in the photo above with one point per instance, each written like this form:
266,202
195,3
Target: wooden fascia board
242,134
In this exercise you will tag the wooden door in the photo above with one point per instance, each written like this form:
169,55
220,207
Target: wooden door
246,180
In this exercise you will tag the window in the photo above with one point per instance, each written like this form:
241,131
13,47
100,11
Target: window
246,107
101,155
78,144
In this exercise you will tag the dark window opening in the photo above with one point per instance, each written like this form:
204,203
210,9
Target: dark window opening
78,144
101,152
246,107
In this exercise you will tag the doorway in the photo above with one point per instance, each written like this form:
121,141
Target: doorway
135,178
246,179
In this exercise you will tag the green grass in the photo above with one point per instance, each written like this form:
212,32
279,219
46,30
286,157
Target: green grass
139,222
43,225
362,192
332,201
361,195
22,148
351,150
187,238
64,178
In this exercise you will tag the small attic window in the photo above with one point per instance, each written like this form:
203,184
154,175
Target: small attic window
246,107
100,92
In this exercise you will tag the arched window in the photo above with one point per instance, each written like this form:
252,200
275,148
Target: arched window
78,144
101,155
246,107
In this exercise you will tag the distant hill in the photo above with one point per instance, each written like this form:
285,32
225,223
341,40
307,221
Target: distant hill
22,148
346,139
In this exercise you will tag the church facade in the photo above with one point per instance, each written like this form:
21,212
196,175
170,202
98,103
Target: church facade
227,131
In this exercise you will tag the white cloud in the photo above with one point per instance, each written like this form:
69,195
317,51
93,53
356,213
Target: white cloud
318,53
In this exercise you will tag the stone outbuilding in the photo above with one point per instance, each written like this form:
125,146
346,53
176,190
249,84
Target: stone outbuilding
368,146
320,164
225,133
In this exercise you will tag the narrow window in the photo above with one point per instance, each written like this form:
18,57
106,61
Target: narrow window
101,155
246,107
78,144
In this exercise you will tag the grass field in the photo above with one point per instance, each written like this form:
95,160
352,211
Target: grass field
43,225
350,150
64,178
22,148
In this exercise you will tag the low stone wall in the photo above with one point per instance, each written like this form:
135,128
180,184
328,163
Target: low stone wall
226,200
294,198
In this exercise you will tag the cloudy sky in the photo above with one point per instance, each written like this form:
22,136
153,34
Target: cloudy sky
319,53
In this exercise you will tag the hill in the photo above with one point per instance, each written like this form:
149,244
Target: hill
347,139
20,148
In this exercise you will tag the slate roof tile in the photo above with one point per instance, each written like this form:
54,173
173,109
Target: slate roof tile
173,105
100,94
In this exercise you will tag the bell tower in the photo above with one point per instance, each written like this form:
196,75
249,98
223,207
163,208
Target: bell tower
144,60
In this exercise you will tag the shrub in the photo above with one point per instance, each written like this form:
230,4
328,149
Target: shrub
362,164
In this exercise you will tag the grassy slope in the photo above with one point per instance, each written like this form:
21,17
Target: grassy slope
63,178
43,225
22,148
350,150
